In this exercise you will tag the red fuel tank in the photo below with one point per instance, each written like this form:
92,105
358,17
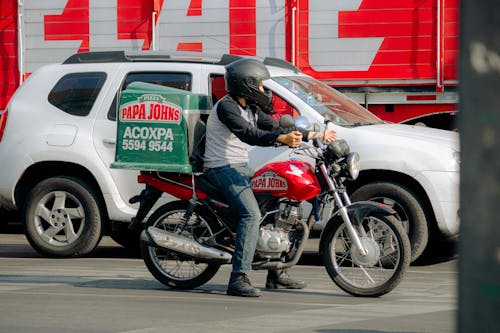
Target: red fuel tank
289,179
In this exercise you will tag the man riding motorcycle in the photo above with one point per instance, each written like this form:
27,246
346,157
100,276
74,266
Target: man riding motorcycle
236,123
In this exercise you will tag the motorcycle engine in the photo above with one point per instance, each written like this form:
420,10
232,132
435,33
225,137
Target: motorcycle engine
289,215
274,240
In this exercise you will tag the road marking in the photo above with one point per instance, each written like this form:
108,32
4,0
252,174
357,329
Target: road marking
306,319
318,315
24,286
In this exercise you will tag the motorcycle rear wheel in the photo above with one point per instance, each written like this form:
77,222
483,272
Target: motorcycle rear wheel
381,270
175,270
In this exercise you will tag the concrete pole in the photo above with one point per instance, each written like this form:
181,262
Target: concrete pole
479,126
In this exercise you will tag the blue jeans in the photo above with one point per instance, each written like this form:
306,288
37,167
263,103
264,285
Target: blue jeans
234,182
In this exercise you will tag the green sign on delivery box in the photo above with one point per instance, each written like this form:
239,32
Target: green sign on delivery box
155,124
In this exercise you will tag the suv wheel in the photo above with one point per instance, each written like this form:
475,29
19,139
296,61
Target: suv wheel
62,218
408,209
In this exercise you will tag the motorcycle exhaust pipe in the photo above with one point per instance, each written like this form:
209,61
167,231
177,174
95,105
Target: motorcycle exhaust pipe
177,243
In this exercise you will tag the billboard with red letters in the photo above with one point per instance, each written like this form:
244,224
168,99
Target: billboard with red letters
396,57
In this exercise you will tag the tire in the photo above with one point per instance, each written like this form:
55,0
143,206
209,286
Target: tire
408,207
62,218
375,274
175,270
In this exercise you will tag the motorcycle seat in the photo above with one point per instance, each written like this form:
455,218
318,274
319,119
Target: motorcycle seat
210,189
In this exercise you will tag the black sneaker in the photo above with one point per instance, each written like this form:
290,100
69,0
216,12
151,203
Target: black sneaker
239,285
280,279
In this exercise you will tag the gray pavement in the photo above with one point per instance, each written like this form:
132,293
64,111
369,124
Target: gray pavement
112,291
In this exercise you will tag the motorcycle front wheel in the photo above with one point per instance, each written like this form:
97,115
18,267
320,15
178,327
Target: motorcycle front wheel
377,272
176,270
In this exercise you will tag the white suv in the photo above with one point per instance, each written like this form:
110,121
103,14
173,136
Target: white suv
59,141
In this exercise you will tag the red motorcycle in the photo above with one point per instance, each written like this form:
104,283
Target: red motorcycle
365,249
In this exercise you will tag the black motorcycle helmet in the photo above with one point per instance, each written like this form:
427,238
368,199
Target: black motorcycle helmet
242,79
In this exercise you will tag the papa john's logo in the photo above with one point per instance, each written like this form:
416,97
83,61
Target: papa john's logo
269,181
150,107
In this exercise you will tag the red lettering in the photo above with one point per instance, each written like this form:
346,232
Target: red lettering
259,183
269,183
72,24
135,19
242,27
158,112
190,47
142,111
135,111
274,183
195,7
164,112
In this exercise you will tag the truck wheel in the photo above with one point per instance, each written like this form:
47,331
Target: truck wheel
407,206
62,218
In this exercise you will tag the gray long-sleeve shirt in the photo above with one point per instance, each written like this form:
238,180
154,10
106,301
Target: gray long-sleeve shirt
232,130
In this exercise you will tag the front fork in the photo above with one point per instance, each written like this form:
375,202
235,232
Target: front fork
341,204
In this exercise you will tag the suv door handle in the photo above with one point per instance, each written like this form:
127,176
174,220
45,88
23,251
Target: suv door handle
109,141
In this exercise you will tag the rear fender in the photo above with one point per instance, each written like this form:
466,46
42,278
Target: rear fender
176,184
357,211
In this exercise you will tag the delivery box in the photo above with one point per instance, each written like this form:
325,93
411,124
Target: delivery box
155,127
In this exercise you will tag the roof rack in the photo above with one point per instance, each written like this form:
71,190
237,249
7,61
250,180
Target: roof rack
277,62
172,56
96,57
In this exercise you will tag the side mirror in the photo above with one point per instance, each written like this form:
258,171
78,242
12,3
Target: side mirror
286,121
302,122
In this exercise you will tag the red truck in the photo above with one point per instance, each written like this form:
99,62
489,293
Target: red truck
396,57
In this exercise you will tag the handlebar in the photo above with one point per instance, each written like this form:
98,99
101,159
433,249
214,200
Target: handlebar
328,152
309,150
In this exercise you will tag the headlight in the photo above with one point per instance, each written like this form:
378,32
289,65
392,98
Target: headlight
336,150
353,165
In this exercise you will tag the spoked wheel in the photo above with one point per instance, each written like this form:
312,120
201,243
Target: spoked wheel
173,269
381,269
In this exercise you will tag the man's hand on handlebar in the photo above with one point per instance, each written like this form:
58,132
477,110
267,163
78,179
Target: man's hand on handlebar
292,139
326,136
329,136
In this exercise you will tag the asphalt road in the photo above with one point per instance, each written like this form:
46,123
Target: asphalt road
112,291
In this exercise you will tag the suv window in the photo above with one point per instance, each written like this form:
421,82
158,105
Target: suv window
281,107
217,87
76,93
168,79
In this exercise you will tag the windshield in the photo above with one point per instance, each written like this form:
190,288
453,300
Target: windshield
328,102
